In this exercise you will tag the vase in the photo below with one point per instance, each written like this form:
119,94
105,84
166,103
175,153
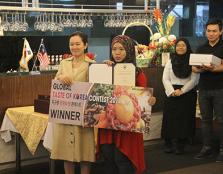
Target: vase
165,58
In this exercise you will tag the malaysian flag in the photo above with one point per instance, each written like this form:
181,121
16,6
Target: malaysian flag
27,54
42,55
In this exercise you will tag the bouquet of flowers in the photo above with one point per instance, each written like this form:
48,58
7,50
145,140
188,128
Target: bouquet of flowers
162,41
143,55
90,57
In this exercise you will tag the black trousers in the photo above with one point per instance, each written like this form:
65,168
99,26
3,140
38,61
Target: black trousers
211,104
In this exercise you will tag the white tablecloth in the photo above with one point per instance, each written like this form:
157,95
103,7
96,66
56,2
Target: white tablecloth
8,127
29,124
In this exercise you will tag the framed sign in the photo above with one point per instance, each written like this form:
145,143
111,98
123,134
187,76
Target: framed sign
100,73
124,74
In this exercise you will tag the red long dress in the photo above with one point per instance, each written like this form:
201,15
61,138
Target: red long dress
129,143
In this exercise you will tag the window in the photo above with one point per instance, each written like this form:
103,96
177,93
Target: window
202,15
177,11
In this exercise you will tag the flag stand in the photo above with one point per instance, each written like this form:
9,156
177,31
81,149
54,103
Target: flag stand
34,70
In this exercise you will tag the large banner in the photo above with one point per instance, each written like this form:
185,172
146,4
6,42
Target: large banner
101,105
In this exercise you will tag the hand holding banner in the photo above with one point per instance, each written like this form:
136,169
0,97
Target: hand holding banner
101,105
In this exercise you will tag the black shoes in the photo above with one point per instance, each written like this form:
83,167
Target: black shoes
168,146
168,150
179,148
179,151
220,156
205,152
176,151
176,146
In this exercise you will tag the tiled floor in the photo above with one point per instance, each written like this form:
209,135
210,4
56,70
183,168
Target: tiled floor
156,160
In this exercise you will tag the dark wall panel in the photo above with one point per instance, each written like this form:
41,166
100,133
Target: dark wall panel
11,48
216,8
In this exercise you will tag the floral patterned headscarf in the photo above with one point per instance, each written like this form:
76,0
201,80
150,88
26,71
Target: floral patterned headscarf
129,47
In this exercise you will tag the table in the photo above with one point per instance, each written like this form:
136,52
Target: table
31,132
33,129
37,128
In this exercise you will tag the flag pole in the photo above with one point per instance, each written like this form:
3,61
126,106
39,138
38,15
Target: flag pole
35,59
34,63
34,72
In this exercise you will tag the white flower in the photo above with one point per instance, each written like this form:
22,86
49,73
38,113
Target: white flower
163,40
140,56
156,36
148,54
172,38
